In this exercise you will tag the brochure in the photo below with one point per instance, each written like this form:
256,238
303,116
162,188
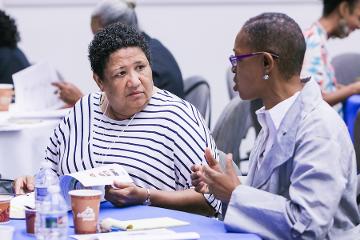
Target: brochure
95,178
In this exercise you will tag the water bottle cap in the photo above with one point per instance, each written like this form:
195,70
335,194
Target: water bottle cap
54,188
46,164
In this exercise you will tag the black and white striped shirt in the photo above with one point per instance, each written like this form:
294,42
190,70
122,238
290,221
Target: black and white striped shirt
157,147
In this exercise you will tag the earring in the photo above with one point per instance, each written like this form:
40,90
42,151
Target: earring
266,77
343,29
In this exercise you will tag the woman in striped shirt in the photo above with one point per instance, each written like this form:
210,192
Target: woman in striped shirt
153,134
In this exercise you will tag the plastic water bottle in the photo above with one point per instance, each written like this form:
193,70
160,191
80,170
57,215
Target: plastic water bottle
52,216
45,178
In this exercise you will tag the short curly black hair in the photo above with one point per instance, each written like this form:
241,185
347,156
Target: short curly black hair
331,5
9,35
277,33
110,39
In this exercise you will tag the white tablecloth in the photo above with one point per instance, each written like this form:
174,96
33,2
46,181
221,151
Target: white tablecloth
23,144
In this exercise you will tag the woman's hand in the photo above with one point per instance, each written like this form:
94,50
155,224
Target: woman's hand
211,177
197,177
125,194
68,92
24,184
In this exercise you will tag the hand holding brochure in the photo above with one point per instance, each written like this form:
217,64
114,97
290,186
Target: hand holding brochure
94,178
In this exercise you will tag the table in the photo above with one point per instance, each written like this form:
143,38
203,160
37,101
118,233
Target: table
23,142
208,228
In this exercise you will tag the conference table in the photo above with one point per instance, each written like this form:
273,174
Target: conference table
207,228
23,140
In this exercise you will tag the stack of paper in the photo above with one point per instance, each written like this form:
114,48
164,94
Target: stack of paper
158,234
142,224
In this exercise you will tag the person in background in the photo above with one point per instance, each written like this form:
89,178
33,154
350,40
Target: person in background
12,59
339,19
155,135
165,70
302,176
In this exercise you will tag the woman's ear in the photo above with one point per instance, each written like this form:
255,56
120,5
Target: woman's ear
98,81
344,9
268,62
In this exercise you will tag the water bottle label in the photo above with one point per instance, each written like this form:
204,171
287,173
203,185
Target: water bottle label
55,221
41,193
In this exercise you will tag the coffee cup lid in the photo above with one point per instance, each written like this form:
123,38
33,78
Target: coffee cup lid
6,86
5,198
85,192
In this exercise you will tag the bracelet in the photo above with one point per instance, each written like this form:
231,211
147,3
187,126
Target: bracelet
147,201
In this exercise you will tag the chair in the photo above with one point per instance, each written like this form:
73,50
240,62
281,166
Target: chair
232,127
197,92
230,84
347,67
357,140
358,191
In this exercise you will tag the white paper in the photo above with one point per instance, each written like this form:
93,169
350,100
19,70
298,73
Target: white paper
18,203
33,89
101,176
158,234
45,114
142,224
94,178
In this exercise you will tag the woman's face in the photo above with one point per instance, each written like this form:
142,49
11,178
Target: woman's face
353,19
127,82
351,23
249,71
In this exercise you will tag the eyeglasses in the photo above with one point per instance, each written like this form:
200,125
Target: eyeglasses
234,59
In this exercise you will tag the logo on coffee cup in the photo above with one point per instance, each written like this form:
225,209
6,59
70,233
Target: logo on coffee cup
87,215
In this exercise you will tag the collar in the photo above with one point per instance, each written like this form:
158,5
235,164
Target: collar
320,31
276,114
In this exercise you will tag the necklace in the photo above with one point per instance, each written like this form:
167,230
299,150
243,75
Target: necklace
103,155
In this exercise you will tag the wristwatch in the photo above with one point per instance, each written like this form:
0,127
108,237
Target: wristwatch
147,201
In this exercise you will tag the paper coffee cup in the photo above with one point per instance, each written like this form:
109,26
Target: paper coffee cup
6,95
30,215
85,205
5,209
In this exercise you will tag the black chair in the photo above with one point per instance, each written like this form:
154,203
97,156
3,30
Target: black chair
347,67
197,92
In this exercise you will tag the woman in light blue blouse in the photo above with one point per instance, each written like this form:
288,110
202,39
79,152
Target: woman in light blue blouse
302,174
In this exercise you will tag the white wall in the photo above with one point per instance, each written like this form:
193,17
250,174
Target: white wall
200,35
